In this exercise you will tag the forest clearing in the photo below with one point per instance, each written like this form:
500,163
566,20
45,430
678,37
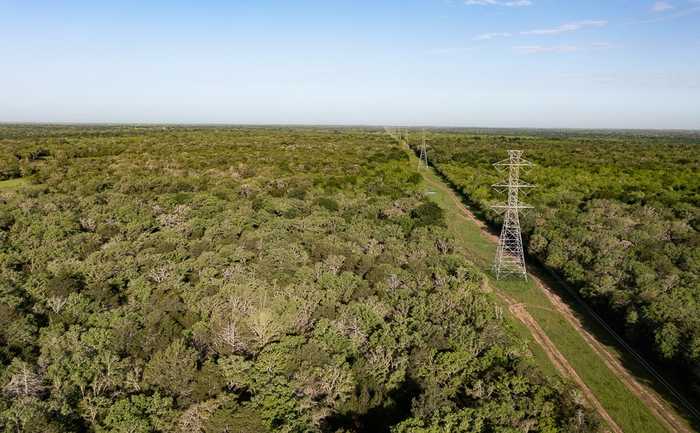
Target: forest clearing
611,354
605,383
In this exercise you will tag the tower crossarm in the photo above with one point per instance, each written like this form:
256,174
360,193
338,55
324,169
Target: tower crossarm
519,205
503,185
508,163
506,206
513,163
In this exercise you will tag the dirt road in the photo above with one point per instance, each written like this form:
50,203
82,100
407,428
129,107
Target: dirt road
658,407
649,397
558,359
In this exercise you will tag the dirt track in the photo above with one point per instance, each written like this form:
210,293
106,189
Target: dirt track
650,399
558,359
656,404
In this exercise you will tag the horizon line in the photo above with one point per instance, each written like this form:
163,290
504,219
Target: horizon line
334,125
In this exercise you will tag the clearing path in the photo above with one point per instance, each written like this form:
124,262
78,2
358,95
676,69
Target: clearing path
559,361
652,400
11,184
660,416
519,311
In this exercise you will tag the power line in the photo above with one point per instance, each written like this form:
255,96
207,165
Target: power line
687,405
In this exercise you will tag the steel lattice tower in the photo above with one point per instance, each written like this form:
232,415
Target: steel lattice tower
423,158
510,257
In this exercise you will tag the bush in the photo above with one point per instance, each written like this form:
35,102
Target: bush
428,214
328,204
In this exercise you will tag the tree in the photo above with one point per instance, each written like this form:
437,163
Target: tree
24,381
141,414
172,370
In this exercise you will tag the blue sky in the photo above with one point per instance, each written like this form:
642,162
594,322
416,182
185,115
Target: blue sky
500,63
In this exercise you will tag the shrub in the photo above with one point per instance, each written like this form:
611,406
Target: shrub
428,214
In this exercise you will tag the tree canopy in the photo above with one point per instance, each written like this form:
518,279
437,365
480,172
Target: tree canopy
246,279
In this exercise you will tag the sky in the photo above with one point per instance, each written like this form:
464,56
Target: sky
480,63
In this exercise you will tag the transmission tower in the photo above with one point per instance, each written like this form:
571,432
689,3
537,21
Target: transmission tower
510,258
423,158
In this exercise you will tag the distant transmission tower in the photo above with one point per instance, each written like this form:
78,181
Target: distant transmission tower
423,158
510,258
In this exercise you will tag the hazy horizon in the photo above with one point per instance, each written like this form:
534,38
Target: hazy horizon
410,127
468,64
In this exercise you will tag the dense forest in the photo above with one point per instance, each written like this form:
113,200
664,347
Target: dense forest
294,280
617,215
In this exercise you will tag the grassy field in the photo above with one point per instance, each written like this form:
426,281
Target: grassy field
627,410
13,183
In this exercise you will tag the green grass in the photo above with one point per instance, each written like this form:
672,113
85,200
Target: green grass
624,407
13,183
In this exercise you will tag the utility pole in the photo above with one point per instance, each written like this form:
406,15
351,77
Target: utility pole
510,257
423,158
